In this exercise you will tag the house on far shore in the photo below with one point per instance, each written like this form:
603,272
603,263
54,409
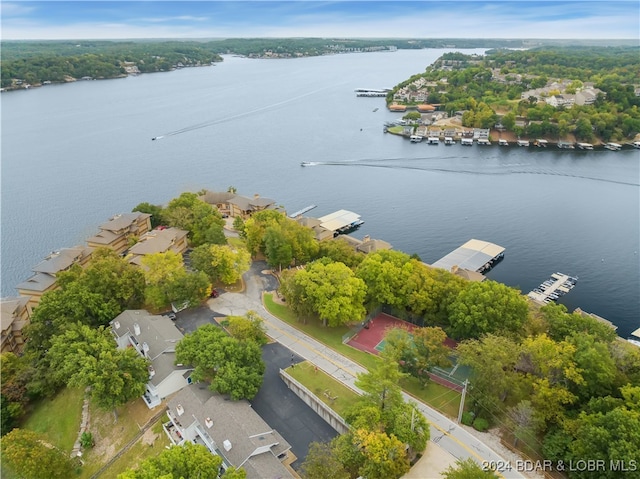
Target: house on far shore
158,241
14,316
115,233
229,429
155,338
44,279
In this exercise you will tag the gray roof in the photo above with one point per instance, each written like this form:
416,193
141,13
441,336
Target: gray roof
472,255
254,445
159,332
216,197
157,241
61,260
104,237
122,221
38,282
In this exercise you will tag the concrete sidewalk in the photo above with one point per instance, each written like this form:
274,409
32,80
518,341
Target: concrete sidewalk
447,434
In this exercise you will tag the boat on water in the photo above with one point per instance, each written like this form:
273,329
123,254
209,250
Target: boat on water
566,145
523,142
613,146
635,338
484,141
308,163
449,141
433,140
415,138
466,141
503,142
375,110
541,143
636,144
585,146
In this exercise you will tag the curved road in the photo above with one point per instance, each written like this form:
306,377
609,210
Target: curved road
447,434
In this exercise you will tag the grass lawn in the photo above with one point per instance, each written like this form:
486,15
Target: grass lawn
58,418
332,337
439,397
319,383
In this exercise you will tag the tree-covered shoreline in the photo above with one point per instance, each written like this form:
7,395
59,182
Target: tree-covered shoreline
34,63
591,93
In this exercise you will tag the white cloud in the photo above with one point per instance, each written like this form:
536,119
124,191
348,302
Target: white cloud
11,9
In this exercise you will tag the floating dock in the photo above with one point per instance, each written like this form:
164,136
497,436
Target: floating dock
474,255
556,286
302,211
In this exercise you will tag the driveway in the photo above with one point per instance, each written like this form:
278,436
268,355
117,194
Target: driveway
283,410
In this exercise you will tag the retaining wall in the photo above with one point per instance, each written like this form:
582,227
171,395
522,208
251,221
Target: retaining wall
324,411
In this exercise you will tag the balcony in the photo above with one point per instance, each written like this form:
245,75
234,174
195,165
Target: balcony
173,433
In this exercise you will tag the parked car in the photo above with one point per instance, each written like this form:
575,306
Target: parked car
172,316
214,294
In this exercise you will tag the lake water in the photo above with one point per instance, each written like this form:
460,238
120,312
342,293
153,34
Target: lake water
73,155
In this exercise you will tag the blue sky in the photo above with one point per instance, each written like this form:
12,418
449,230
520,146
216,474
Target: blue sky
587,19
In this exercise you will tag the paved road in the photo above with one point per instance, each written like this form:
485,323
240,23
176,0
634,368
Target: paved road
446,433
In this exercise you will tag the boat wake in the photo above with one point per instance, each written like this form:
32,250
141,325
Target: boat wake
273,106
504,169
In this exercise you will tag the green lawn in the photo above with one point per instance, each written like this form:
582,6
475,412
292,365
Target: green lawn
439,397
58,418
323,386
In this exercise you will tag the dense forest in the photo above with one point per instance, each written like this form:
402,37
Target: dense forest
505,86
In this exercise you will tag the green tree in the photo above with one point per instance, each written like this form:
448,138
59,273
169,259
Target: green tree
340,251
234,473
114,279
494,379
249,327
203,221
192,461
30,456
156,212
329,290
467,469
255,229
83,356
487,307
234,367
277,248
321,462
221,262
385,273
384,455
611,436
430,350
168,281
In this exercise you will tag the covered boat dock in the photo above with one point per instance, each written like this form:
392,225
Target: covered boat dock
474,255
340,222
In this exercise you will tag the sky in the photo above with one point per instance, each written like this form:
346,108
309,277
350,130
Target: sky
546,19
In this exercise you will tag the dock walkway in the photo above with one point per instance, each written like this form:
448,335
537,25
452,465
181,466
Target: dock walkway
558,285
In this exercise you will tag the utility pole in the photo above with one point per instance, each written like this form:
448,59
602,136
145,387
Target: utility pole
464,393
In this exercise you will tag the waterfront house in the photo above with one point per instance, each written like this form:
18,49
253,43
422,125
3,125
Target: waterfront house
14,316
44,279
115,233
231,204
229,429
321,233
158,241
155,338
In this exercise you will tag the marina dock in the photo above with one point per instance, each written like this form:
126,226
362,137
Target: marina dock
341,222
556,286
